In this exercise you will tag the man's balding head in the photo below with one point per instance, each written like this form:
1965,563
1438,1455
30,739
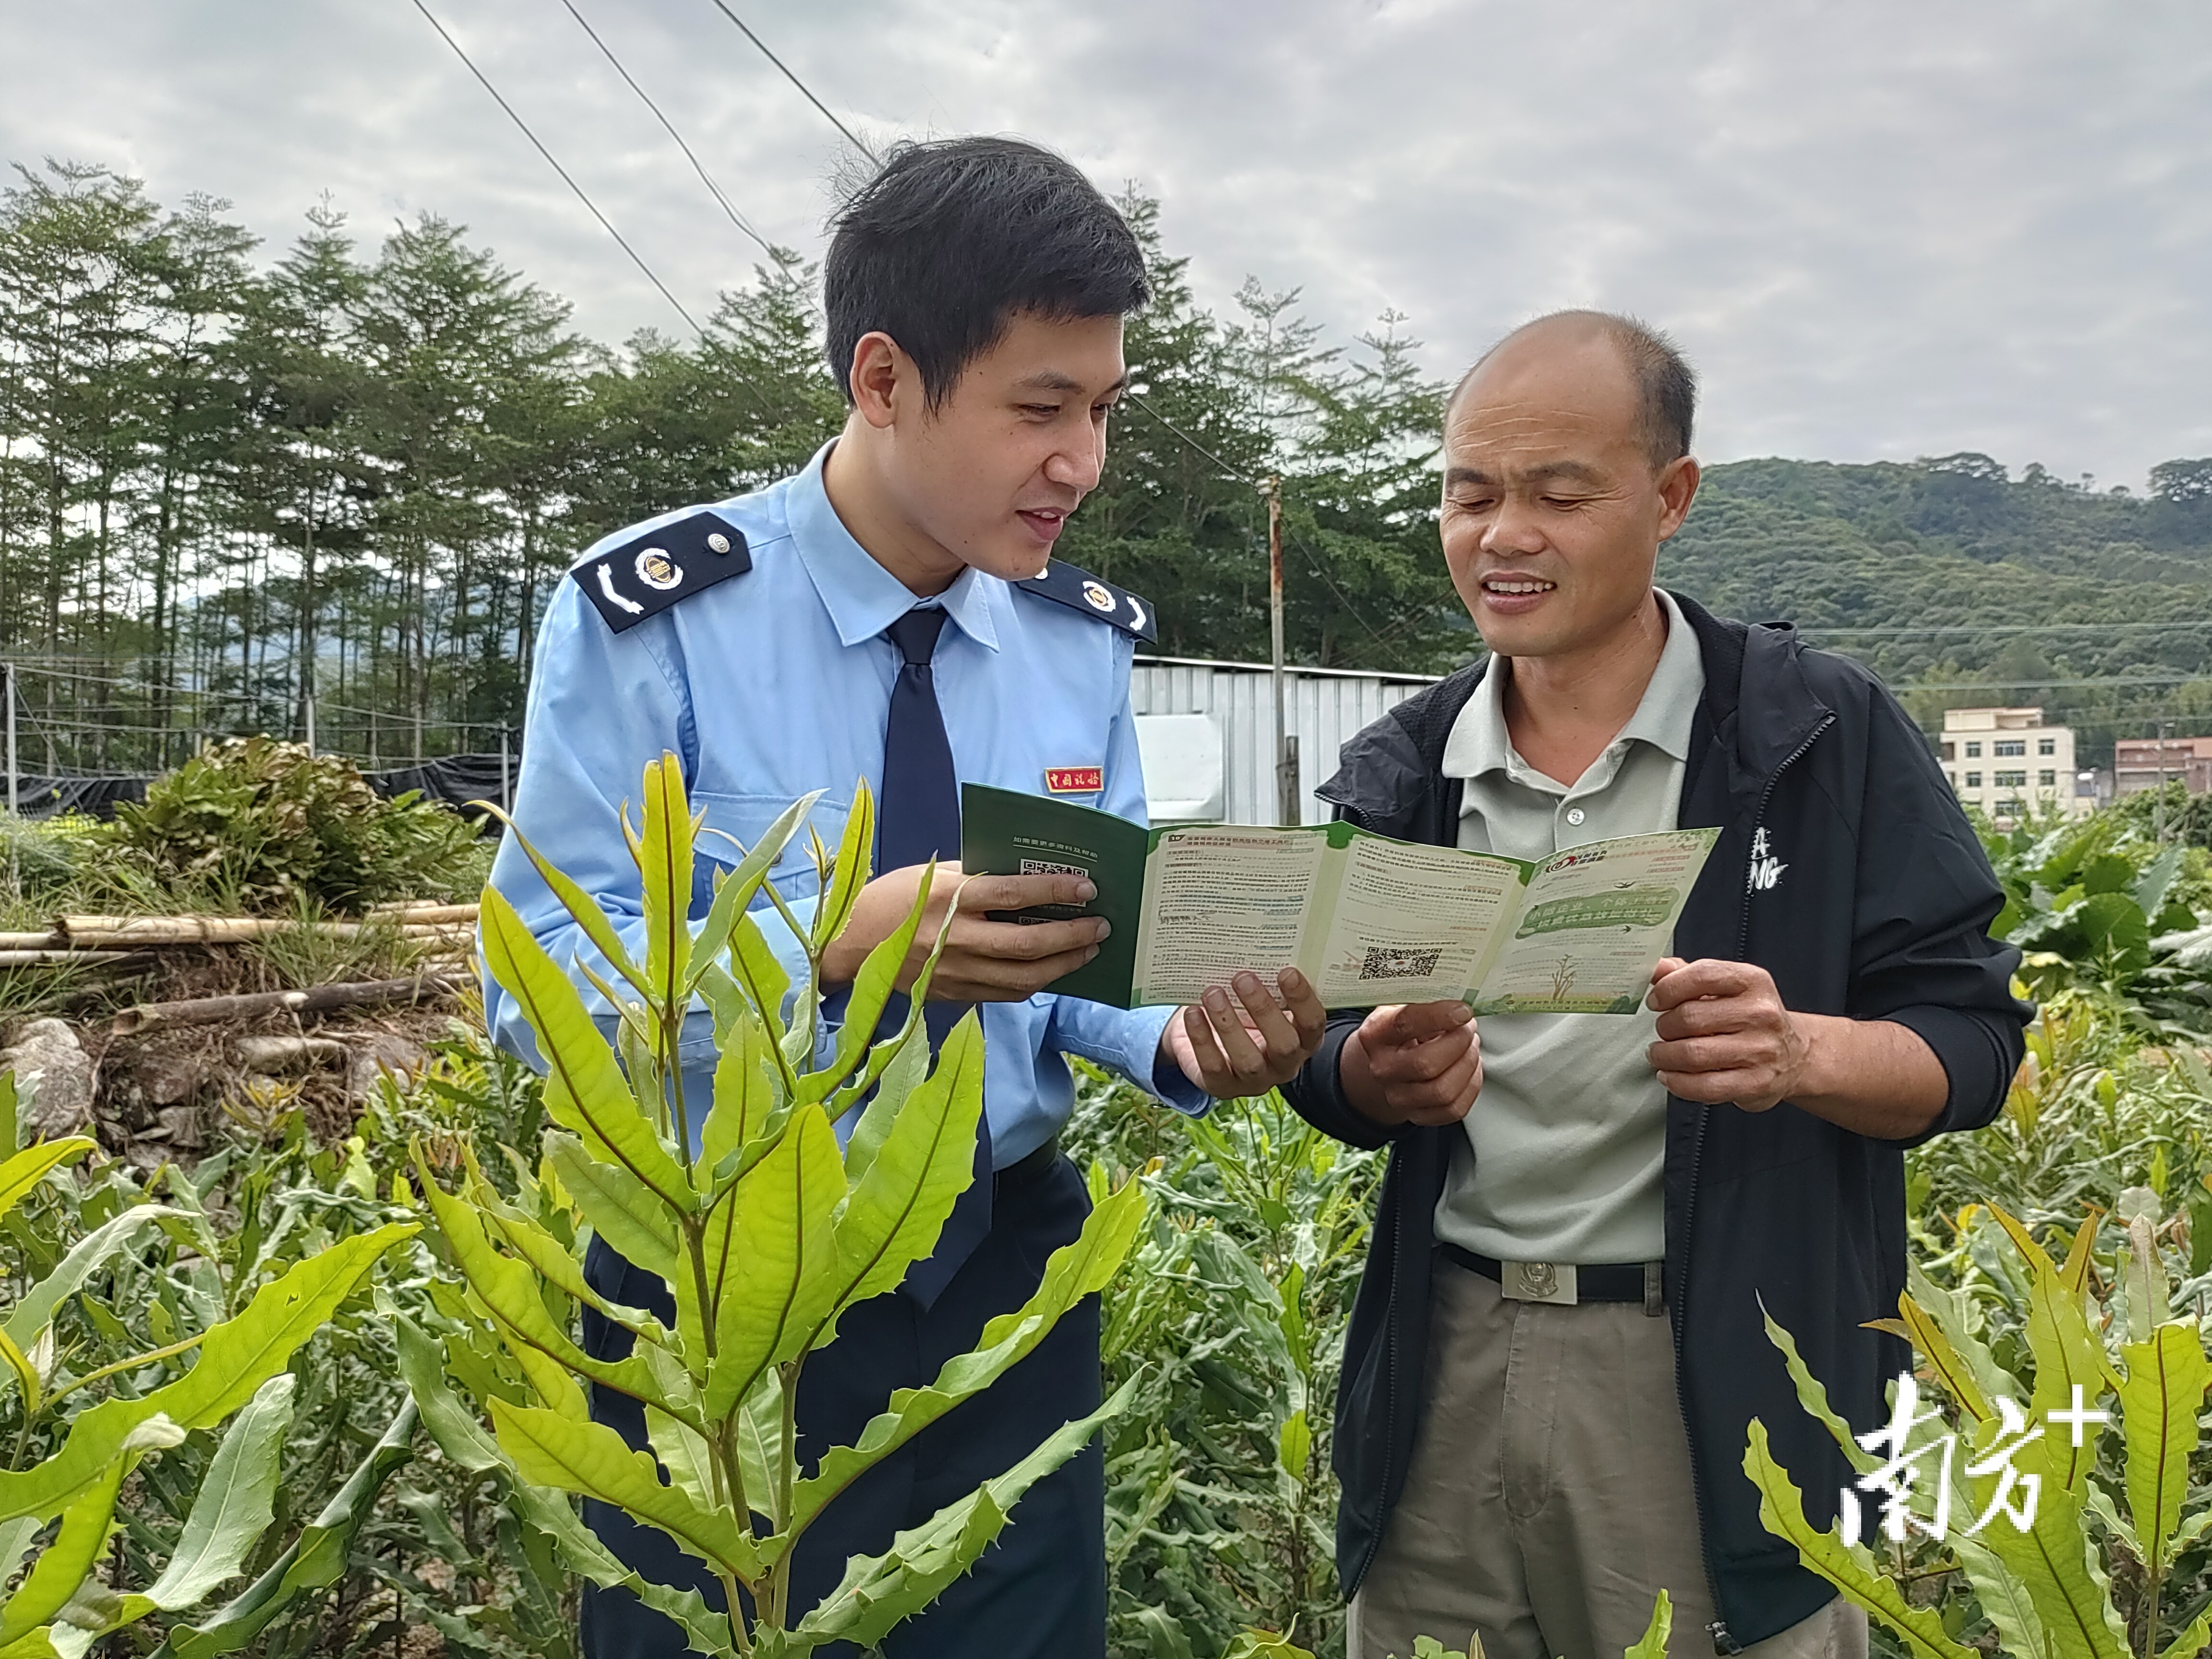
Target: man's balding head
1663,385
1566,465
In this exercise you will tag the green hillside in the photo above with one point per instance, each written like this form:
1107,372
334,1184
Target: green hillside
2050,582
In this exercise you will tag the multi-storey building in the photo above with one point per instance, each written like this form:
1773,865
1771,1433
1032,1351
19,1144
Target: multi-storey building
2140,763
2007,762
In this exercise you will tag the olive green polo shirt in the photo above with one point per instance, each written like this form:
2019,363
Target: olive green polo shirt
1564,1149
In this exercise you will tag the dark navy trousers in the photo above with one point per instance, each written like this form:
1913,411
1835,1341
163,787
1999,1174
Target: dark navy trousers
1040,1589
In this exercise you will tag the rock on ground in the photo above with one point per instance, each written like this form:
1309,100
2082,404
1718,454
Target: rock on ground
61,1104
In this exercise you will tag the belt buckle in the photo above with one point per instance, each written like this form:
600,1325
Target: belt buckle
1539,1281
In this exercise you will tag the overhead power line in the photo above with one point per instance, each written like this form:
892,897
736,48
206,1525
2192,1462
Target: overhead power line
606,223
806,92
1903,629
735,217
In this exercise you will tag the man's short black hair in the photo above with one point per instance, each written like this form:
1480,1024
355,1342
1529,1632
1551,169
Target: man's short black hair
953,239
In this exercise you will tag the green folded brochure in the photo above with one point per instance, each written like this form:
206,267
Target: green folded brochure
1366,919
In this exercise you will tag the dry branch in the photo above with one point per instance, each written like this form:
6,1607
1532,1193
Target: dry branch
207,1010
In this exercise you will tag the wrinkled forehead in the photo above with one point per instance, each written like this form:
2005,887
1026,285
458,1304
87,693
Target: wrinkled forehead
1506,441
1566,391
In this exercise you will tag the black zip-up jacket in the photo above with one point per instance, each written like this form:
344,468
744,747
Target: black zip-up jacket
1845,868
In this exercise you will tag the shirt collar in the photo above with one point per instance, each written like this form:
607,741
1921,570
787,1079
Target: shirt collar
1479,742
862,598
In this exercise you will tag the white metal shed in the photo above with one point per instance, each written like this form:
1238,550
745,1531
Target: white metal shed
1322,707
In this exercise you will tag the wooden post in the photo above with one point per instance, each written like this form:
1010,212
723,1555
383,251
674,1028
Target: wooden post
1286,765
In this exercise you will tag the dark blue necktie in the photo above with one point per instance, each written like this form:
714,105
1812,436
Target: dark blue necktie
918,819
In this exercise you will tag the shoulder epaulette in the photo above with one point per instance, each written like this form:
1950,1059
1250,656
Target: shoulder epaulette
1079,589
647,574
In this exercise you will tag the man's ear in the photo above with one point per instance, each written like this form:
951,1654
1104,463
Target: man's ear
882,376
1678,488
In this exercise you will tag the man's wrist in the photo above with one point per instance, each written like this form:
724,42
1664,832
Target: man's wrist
1356,1083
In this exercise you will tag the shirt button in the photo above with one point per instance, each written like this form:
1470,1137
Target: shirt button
1575,815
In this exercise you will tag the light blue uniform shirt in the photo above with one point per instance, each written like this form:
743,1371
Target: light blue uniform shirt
778,682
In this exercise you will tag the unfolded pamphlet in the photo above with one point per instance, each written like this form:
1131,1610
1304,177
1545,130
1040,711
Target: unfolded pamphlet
1366,919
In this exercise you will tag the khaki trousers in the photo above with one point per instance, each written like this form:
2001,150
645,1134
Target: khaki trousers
1549,1499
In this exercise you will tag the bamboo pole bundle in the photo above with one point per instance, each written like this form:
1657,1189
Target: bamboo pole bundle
209,1011
135,932
411,912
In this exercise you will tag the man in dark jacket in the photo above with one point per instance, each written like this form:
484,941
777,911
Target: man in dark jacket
1558,1343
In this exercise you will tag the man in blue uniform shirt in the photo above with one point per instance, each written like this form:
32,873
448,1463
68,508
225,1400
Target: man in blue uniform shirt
793,640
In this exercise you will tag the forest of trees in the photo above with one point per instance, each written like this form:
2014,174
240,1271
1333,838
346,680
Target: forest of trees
220,465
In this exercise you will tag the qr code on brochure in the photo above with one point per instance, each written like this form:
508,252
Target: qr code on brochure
1383,961
1040,867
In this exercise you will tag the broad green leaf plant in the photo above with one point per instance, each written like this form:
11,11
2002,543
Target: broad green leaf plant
2043,1587
766,1231
63,1603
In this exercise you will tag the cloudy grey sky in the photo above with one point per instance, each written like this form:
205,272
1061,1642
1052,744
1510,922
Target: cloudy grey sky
1883,227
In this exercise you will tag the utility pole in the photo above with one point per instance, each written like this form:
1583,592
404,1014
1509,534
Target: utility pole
7,696
2158,804
1287,753
506,785
7,691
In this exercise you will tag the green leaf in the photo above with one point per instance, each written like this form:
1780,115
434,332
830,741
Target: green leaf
757,971
878,1592
686,1456
2162,1393
663,864
1165,1635
745,1091
872,988
508,1290
590,1459
316,1559
2054,1560
1073,1271
27,1167
733,893
1294,1444
463,1439
236,1357
451,1424
2192,1642
2157,880
79,1544
771,1263
900,1204
234,1505
1849,1569
2003,1598
1653,1643
2068,1353
86,1257
621,1208
585,1090
850,874
581,906
11,1132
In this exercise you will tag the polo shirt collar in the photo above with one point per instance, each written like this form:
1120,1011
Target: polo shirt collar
1479,744
862,598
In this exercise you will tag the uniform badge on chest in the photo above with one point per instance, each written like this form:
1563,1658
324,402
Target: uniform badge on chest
1074,780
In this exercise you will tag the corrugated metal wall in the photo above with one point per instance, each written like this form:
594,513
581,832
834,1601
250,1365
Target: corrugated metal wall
1321,707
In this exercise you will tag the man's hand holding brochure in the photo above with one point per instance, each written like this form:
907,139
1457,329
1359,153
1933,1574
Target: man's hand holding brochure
1367,920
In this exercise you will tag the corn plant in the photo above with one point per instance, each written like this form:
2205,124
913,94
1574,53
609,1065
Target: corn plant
111,1418
766,1231
2039,1578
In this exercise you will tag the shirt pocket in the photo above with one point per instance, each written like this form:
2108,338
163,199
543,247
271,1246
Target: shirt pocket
736,823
